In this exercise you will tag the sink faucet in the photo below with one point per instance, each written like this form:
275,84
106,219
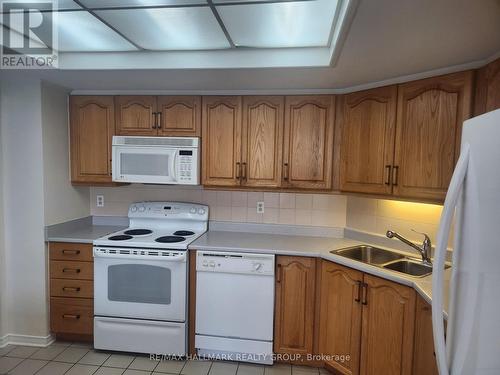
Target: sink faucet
424,250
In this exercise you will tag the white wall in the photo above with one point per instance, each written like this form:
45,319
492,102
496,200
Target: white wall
325,210
36,192
3,328
23,202
63,201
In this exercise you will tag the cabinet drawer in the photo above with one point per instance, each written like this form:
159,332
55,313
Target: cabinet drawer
70,251
71,288
71,315
71,270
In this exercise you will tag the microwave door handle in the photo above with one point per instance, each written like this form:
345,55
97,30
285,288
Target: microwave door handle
173,166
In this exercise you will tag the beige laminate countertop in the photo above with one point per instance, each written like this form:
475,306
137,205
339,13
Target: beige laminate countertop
310,246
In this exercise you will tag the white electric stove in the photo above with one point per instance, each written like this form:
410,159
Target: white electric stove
140,279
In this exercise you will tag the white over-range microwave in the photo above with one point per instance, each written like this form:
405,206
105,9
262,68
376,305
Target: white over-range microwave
156,160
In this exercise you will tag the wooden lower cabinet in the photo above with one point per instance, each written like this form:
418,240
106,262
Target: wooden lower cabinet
340,317
387,327
71,272
366,323
295,305
424,359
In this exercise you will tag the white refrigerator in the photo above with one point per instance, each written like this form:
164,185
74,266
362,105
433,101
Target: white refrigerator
472,344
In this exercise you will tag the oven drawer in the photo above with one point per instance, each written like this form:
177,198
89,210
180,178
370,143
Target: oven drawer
71,315
70,251
71,270
71,288
142,336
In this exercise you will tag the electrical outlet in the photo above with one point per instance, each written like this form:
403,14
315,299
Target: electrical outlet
260,207
99,201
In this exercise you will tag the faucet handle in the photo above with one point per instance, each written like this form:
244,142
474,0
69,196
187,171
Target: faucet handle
426,237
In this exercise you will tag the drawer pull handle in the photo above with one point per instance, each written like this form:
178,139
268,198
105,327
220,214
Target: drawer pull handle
70,289
71,316
71,252
72,270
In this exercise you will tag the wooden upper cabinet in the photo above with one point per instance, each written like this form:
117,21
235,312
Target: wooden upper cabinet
91,131
308,142
179,116
340,316
424,359
428,130
366,125
262,140
221,140
387,324
135,115
487,88
294,310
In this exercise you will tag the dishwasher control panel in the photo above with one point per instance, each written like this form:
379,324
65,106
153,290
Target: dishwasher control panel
229,262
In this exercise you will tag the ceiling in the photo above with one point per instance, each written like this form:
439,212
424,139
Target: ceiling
185,25
387,41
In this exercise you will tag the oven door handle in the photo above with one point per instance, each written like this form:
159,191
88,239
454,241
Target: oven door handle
170,259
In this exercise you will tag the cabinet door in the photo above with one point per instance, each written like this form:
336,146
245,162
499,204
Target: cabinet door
179,116
221,139
294,310
487,88
91,132
135,115
262,142
308,142
367,125
428,130
424,359
340,317
387,327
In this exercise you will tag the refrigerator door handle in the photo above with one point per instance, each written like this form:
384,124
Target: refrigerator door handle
450,203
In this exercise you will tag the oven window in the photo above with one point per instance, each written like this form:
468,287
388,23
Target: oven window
144,164
139,283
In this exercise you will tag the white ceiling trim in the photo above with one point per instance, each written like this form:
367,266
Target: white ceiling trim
219,59
345,90
347,11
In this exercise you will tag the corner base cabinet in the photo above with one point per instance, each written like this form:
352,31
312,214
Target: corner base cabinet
366,323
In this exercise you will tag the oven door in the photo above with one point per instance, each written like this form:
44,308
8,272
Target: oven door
145,164
140,286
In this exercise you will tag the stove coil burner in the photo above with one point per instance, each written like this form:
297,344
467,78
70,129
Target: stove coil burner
170,239
183,233
138,232
120,237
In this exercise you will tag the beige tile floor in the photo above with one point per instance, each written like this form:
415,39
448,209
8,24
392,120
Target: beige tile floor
80,359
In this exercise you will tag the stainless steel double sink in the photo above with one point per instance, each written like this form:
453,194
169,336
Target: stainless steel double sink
386,259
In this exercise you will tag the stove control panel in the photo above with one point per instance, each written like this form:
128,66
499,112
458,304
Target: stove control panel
169,210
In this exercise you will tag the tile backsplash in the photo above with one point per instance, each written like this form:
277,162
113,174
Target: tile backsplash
325,210
378,215
321,210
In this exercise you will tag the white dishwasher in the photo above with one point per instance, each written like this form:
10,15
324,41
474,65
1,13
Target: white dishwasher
235,306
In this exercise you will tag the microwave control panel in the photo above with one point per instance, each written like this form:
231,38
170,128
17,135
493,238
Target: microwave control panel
188,171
